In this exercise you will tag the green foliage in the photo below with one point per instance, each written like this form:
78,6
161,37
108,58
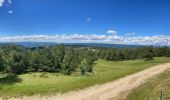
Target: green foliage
36,61
148,53
70,61
2,63
18,64
168,52
58,58
44,83
86,66
88,62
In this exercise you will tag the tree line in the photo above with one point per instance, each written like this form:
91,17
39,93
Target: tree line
16,59
147,53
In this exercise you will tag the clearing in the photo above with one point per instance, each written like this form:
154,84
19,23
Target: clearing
115,90
38,84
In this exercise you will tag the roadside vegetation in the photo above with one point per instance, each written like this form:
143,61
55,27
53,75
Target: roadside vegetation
44,83
151,90
58,68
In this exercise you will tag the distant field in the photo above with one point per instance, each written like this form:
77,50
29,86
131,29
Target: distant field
151,89
48,83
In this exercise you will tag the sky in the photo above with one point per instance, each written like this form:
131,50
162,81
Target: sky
143,22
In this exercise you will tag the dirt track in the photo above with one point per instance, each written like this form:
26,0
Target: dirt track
115,90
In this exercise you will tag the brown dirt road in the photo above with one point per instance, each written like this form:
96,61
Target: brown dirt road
115,90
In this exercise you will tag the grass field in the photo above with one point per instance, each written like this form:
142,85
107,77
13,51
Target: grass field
151,89
48,83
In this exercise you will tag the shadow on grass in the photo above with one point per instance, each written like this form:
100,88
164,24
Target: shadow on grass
10,79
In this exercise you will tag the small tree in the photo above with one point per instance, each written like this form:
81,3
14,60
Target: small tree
149,54
148,57
83,67
70,61
17,65
59,53
2,63
86,66
168,52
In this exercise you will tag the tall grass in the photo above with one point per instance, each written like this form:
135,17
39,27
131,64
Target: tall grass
152,88
48,83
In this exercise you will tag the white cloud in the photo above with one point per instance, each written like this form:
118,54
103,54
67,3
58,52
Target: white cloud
10,11
111,32
88,19
9,1
2,3
93,38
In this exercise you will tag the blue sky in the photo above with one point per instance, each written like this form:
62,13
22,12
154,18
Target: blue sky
111,21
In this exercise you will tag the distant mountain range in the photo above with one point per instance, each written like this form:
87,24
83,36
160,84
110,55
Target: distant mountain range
101,45
37,44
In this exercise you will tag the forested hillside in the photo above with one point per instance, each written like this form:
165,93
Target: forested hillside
15,59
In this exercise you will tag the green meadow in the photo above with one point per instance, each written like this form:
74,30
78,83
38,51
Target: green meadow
49,83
